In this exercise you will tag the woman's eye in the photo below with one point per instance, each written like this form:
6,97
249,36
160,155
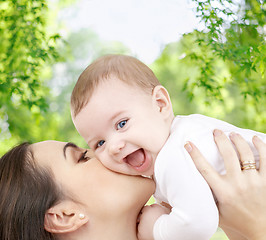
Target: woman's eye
84,156
100,143
121,124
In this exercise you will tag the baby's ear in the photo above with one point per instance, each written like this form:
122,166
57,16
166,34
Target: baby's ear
162,100
64,217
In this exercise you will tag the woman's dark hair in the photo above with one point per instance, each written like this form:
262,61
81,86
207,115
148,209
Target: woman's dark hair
27,191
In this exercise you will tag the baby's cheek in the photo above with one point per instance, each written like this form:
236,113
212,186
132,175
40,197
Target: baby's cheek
98,156
104,160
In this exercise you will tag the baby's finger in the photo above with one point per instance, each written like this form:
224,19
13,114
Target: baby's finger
206,170
227,152
261,147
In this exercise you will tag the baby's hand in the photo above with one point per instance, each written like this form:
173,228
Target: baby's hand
147,220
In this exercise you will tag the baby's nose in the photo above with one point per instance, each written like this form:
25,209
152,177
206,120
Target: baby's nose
116,147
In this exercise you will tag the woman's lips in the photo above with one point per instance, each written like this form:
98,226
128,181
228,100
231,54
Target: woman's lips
138,160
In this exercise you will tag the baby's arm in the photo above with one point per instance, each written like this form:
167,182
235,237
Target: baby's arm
210,124
172,226
194,214
148,217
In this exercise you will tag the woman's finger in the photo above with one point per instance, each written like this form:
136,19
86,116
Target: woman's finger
246,155
227,152
206,170
261,147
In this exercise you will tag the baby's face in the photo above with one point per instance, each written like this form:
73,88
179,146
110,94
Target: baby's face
124,126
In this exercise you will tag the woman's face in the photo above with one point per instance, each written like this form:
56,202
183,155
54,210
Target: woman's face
89,182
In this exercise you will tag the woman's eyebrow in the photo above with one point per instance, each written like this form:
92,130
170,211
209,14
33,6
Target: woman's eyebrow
69,144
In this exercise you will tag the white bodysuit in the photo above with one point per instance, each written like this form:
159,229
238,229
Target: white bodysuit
194,214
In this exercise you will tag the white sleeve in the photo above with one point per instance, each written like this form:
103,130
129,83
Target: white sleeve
203,138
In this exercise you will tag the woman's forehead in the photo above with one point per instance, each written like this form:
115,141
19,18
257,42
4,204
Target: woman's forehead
47,146
46,151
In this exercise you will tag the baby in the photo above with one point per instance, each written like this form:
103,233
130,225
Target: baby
125,115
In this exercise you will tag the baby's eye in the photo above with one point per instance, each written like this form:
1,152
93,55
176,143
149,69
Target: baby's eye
121,124
100,143
84,156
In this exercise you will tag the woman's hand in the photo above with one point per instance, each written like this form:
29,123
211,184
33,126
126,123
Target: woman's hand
241,194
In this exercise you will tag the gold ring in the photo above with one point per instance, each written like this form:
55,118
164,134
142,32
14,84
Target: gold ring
248,166
248,163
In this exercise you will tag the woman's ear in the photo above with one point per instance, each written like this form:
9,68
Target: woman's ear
162,100
64,217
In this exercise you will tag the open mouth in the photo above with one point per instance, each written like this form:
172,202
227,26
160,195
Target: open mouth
136,159
141,161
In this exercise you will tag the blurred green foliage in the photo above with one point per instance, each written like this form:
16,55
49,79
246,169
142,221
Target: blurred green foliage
235,31
221,69
25,50
228,58
218,71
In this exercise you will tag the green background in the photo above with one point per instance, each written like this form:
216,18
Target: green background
218,71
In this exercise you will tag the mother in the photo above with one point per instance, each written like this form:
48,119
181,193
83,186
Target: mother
56,190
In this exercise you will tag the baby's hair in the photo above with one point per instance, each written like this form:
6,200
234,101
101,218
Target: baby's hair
126,68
